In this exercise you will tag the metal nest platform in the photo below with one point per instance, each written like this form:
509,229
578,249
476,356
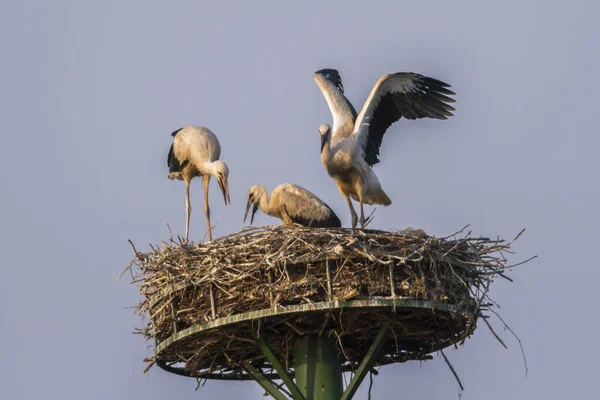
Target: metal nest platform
417,329
241,306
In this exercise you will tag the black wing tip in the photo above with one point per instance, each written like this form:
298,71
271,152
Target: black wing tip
371,158
171,161
332,221
326,71
446,91
446,114
335,221
437,85
433,81
437,91
333,76
176,132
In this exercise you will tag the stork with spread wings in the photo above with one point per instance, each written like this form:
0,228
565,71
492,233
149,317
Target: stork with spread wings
351,147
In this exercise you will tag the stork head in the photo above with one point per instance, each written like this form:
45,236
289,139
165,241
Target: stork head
325,131
221,173
254,195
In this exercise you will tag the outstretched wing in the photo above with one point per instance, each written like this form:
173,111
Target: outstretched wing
304,208
394,96
342,111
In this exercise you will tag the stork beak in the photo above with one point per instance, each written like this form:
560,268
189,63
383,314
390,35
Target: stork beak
323,142
248,204
225,189
254,210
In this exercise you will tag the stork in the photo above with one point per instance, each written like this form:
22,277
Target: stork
293,205
195,152
351,148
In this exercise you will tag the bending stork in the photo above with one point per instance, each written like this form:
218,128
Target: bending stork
351,148
195,152
293,205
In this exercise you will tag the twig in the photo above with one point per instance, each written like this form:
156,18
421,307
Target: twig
506,326
453,371
494,333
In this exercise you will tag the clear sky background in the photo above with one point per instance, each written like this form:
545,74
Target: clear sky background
90,92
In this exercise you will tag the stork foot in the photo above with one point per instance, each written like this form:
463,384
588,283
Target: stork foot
354,221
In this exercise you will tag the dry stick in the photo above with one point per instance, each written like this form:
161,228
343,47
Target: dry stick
475,310
516,337
370,383
148,367
173,316
329,286
170,232
298,331
325,321
494,333
212,301
521,263
270,273
516,237
456,233
138,256
125,270
452,369
370,218
392,286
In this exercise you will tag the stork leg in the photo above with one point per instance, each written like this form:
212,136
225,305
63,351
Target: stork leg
352,212
206,180
188,209
362,213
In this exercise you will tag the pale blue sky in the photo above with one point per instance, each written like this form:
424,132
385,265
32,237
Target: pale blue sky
90,93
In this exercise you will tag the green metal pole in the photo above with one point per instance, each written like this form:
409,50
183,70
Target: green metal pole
317,368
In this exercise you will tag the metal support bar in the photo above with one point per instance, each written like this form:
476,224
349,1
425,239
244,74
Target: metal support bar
367,363
297,395
263,381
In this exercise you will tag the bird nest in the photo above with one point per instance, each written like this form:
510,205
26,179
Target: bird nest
206,303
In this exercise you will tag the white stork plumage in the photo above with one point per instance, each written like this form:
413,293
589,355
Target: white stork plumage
195,152
351,148
293,205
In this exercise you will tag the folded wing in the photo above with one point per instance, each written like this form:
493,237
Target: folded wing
304,208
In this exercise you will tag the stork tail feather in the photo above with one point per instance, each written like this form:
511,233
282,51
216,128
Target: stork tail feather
378,198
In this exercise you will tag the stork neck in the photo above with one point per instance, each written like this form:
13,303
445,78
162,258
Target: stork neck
326,149
207,168
264,201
